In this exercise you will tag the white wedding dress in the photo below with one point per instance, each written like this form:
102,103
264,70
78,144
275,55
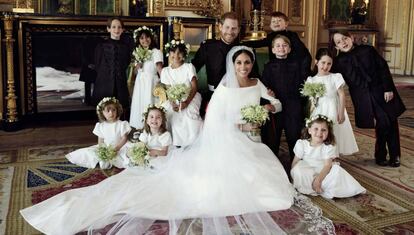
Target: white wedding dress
222,176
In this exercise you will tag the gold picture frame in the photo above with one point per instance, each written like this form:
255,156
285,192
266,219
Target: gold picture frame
82,7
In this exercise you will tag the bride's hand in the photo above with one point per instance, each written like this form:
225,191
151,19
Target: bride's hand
248,126
271,93
175,106
270,108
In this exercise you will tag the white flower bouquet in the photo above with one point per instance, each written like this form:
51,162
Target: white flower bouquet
254,114
105,152
140,55
138,154
313,90
178,92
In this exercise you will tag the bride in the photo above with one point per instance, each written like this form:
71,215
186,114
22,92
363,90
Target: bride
223,176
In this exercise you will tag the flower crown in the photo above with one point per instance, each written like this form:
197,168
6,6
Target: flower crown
102,103
136,32
316,117
150,107
174,43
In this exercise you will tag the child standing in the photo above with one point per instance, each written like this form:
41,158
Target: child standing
375,98
283,76
146,76
110,131
155,134
112,58
313,170
332,104
184,118
278,24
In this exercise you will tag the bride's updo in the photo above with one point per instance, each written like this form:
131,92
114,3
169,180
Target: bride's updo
241,51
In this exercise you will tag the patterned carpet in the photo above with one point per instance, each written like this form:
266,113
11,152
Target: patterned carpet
47,174
37,173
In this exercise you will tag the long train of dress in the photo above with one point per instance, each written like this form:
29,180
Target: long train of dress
222,175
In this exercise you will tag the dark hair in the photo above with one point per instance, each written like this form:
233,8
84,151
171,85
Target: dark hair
286,39
109,22
229,15
180,47
279,15
330,139
163,127
101,106
149,34
319,54
332,44
239,52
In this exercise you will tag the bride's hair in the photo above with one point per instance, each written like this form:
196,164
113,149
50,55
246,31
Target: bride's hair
229,79
245,51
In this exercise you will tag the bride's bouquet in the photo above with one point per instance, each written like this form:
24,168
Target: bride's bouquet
106,153
313,90
138,155
140,55
255,115
178,92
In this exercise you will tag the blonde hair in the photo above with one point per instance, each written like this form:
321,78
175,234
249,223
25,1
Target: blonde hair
283,37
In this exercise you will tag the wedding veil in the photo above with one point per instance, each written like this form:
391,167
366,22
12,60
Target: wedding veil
230,79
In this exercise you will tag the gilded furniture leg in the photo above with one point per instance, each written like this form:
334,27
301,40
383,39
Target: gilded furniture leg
11,115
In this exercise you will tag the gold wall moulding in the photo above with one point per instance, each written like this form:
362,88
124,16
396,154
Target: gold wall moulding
208,8
23,6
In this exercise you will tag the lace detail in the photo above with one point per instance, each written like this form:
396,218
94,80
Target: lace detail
313,216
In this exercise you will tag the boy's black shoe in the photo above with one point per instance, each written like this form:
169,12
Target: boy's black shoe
394,162
381,162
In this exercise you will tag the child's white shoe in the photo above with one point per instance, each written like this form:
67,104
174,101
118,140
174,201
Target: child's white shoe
105,165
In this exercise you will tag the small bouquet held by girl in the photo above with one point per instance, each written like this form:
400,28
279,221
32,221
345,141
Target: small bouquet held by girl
138,155
140,55
313,90
254,116
178,93
106,153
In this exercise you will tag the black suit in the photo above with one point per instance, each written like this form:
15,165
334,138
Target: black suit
285,77
112,58
368,77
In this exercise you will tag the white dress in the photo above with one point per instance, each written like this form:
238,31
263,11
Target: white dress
328,106
184,124
338,182
223,175
111,133
145,82
158,142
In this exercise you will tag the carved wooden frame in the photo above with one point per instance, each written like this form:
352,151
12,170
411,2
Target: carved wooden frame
28,26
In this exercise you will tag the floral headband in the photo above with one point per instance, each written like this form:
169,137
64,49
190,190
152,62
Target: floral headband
143,28
310,120
102,103
174,43
151,107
